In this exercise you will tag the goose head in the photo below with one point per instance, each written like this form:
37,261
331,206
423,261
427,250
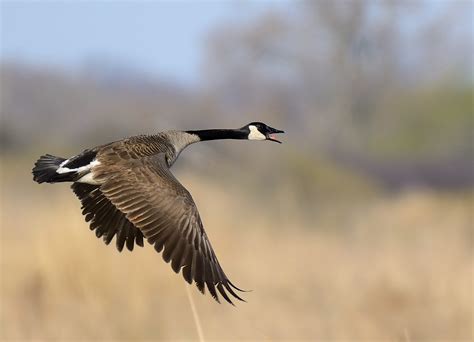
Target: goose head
261,131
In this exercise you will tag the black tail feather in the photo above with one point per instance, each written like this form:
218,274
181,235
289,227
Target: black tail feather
45,170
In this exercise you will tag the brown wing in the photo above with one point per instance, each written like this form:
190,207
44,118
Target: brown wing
154,201
105,218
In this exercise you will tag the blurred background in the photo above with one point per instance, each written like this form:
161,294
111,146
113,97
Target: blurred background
359,226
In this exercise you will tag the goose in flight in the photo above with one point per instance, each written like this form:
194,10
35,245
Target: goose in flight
128,191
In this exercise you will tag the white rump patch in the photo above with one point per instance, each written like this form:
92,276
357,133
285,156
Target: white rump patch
255,134
87,167
63,163
87,178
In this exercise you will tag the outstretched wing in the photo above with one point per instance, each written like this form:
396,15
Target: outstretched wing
105,218
155,202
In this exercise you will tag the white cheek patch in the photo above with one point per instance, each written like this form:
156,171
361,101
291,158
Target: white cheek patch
255,134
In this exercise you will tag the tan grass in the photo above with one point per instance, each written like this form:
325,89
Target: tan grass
396,268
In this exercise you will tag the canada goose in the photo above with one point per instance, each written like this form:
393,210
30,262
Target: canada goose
127,190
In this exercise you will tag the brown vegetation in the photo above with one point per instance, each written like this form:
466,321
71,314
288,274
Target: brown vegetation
394,268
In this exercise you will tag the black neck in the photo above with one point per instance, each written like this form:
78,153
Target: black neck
214,134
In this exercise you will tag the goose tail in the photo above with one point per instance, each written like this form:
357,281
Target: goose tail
45,170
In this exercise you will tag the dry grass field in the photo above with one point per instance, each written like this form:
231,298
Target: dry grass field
399,268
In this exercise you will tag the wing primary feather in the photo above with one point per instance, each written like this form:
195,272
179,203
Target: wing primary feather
132,231
158,247
199,276
105,219
235,287
187,274
89,216
98,206
102,216
222,292
210,281
187,261
170,246
139,238
121,237
113,225
228,288
177,254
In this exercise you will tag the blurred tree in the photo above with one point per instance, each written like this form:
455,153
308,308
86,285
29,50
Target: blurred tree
359,78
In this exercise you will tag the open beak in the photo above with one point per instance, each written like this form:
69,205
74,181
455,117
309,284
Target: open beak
271,135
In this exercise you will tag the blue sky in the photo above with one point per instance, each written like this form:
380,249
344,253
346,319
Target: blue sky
163,38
